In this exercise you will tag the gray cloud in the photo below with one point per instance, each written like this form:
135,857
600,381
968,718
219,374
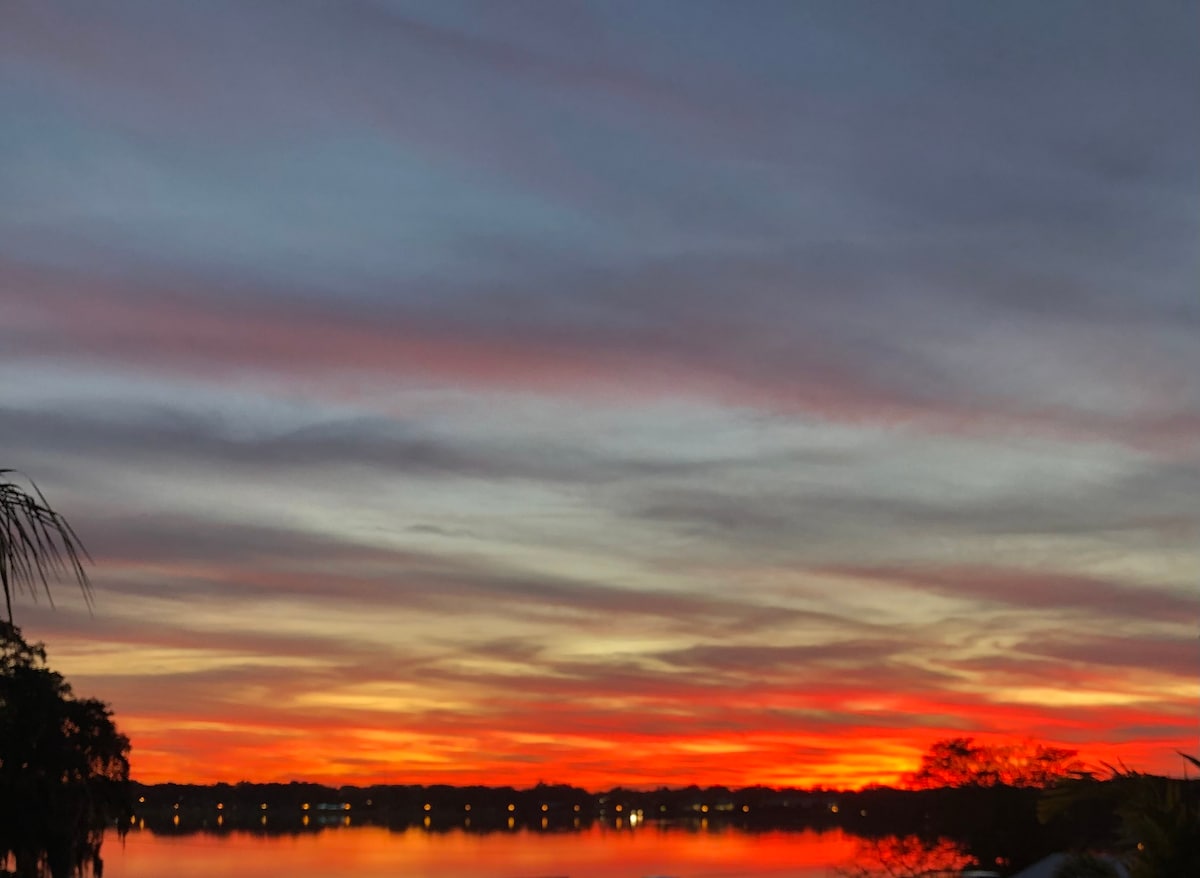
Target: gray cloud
1037,590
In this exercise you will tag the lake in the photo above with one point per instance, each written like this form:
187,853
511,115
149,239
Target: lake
375,852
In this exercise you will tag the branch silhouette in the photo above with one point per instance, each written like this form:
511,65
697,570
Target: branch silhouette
36,544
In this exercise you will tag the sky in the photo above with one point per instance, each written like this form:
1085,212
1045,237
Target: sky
610,393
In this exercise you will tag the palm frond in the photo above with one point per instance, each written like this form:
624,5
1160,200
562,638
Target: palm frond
36,544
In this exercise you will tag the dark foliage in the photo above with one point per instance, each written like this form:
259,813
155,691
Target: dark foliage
1154,821
36,543
960,762
64,767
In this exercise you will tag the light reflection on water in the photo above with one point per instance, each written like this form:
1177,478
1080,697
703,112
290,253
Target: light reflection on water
371,852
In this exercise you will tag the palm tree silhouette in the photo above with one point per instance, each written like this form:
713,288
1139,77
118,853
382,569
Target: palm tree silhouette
36,543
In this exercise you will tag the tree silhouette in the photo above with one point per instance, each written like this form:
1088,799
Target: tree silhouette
960,762
36,543
64,767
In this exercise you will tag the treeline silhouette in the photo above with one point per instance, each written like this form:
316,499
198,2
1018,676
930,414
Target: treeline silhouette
996,823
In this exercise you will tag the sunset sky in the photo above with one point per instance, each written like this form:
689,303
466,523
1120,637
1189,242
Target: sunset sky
621,392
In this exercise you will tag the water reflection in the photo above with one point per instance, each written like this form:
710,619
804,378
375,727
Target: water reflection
907,855
375,852
516,833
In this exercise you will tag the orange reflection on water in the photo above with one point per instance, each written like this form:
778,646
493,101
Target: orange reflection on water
372,852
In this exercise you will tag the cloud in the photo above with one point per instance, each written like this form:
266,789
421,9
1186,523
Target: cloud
883,381
1175,656
495,395
1076,594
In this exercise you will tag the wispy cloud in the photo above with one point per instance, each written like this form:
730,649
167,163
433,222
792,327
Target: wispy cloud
609,392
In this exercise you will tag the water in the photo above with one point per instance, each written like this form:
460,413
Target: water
373,852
